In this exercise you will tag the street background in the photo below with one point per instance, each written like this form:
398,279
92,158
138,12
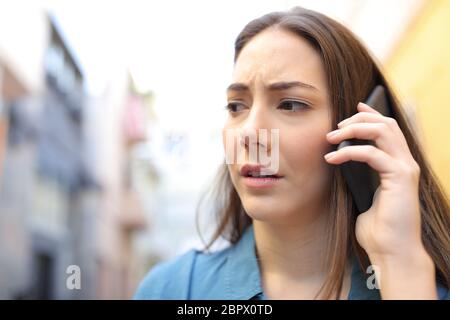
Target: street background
110,125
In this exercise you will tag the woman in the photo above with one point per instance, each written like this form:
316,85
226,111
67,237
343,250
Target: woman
297,234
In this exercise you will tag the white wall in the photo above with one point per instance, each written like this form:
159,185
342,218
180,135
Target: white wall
23,40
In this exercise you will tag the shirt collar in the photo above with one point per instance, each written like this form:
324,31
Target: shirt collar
243,278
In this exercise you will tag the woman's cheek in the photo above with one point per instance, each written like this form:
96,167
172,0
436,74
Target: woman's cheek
224,139
303,149
229,142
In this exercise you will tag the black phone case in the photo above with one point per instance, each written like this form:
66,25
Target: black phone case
361,179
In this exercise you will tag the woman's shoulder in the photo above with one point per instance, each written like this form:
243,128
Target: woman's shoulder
177,277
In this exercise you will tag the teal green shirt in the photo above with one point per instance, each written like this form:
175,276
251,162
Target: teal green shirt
230,274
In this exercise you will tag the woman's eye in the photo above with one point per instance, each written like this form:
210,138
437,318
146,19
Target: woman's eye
235,107
292,106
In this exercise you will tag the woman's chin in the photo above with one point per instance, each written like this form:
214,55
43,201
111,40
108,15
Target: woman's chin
264,209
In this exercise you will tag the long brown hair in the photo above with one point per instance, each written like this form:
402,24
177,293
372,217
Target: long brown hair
351,74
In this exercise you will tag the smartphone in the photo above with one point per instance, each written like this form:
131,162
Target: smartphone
361,179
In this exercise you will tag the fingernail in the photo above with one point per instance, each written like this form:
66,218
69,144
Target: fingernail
362,104
332,133
330,155
342,122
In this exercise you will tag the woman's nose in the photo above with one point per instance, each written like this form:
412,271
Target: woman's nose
256,128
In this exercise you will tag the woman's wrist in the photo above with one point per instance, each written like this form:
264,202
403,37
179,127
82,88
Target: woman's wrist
409,275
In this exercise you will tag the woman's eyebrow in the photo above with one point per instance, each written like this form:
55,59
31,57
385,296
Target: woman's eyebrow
237,87
291,84
283,85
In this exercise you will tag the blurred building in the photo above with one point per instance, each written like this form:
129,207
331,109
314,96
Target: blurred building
118,128
20,77
66,188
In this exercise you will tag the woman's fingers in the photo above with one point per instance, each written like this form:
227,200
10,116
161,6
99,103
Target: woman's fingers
379,132
374,157
362,116
390,139
369,124
365,107
368,114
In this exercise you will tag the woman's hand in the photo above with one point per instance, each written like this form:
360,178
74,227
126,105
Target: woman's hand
390,231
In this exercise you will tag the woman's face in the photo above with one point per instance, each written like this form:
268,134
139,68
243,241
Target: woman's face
281,85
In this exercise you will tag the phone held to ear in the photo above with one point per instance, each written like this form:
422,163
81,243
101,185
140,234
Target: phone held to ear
361,179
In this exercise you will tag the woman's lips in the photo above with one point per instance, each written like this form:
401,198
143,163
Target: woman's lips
257,176
257,170
262,182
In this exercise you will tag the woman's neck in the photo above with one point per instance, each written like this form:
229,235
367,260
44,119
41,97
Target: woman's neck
292,258
294,250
